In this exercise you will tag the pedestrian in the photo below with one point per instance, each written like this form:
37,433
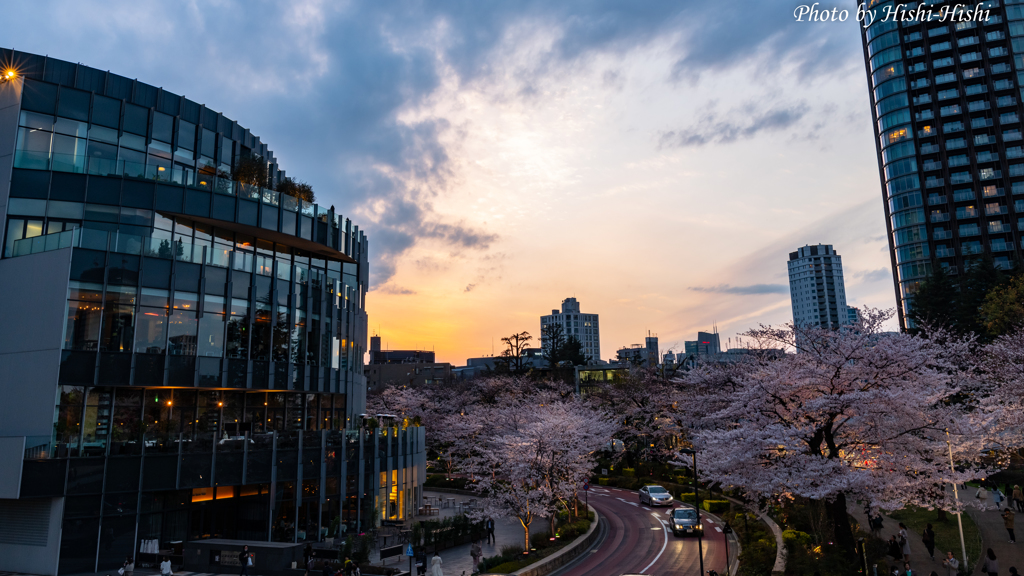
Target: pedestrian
435,566
128,568
895,550
991,565
952,564
1008,523
165,567
1013,571
245,559
328,569
905,542
876,525
929,540
934,573
346,567
982,496
309,564
489,525
476,552
1018,498
906,570
997,497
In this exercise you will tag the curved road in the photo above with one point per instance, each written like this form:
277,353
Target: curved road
638,541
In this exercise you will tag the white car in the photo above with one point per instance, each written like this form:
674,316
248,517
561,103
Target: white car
654,495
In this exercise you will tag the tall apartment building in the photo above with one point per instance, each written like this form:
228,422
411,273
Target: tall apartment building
181,353
816,287
584,327
706,344
946,104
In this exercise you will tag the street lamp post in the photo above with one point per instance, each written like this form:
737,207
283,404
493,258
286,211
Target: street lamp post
956,495
700,524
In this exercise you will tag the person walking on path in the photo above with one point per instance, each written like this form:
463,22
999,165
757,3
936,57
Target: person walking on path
1018,498
245,559
904,542
982,496
309,564
895,550
489,526
129,566
929,540
435,566
907,571
991,565
165,567
476,552
997,497
951,564
1008,523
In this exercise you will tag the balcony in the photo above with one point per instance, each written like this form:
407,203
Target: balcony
970,57
922,99
981,122
998,51
992,192
1017,188
1001,68
1011,135
919,51
994,210
951,127
987,157
932,165
942,234
998,227
1015,152
963,195
995,36
956,144
972,248
1005,101
934,183
993,20
926,115
919,67
1004,84
936,199
984,139
927,132
989,174
941,217
971,230
929,149
965,212
979,105
961,42
976,89
945,253
960,178
964,26
912,37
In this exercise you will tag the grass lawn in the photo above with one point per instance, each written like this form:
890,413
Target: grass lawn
947,534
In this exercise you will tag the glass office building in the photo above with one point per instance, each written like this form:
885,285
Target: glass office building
182,353
946,103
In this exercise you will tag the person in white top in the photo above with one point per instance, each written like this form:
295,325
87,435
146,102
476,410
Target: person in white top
165,567
435,566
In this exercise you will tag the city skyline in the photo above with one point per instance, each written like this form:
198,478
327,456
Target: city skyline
491,175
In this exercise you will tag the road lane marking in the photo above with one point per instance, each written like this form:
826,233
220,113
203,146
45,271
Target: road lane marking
717,528
646,508
660,552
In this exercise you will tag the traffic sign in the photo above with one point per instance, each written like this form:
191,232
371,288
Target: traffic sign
586,485
408,550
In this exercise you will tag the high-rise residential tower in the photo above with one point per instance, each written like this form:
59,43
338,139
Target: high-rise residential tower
946,105
181,351
583,327
816,287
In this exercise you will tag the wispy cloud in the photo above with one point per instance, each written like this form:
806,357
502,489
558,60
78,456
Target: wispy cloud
745,290
874,275
739,124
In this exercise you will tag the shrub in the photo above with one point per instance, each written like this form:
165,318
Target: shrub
757,558
629,472
602,481
796,539
540,540
505,568
715,506
687,497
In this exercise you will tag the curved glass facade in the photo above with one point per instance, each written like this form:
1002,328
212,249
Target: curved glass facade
946,104
209,373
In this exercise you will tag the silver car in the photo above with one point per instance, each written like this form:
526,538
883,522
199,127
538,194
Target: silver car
655,495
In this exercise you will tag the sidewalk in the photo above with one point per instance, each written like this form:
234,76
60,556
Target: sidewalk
456,561
994,536
919,560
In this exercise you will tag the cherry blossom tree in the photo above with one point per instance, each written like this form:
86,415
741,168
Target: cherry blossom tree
855,413
644,403
1002,406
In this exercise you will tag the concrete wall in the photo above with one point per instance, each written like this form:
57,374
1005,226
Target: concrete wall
30,533
35,290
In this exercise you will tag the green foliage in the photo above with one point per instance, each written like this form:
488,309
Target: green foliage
561,349
689,497
715,506
757,558
298,189
947,534
984,300
796,538
252,170
602,481
629,472
504,568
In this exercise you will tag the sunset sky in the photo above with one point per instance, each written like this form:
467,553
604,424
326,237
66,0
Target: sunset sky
656,160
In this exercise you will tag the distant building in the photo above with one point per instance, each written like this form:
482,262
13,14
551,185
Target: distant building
407,374
852,314
706,343
816,287
640,355
584,327
669,358
378,356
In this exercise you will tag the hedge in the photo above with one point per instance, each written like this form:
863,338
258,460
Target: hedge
602,481
715,506
629,472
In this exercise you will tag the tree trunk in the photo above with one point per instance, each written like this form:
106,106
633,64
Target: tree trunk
836,510
942,515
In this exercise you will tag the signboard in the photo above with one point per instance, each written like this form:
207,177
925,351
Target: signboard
227,558
586,485
408,551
